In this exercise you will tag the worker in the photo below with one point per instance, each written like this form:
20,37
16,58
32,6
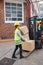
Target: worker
38,29
18,39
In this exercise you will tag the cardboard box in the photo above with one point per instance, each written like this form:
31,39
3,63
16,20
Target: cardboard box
24,29
26,36
28,46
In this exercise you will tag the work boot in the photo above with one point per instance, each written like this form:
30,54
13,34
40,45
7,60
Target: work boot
21,57
14,57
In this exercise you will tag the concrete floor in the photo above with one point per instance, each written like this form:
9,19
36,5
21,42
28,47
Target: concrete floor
36,58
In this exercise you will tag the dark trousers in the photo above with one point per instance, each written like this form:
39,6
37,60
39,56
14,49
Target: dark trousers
38,35
20,48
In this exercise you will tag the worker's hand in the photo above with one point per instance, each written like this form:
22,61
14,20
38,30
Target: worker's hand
26,40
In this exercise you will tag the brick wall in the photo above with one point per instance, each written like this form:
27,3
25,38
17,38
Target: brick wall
7,30
1,16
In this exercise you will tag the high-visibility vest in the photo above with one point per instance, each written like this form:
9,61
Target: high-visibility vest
17,37
38,27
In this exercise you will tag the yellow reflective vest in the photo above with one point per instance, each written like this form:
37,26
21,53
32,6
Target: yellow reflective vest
17,38
38,27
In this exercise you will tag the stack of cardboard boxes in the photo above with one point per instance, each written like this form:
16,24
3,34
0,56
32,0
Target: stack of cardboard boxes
28,45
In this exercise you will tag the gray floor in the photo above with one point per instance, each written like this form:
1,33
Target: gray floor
36,58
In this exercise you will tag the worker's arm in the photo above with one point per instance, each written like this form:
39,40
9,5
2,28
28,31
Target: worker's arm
20,35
